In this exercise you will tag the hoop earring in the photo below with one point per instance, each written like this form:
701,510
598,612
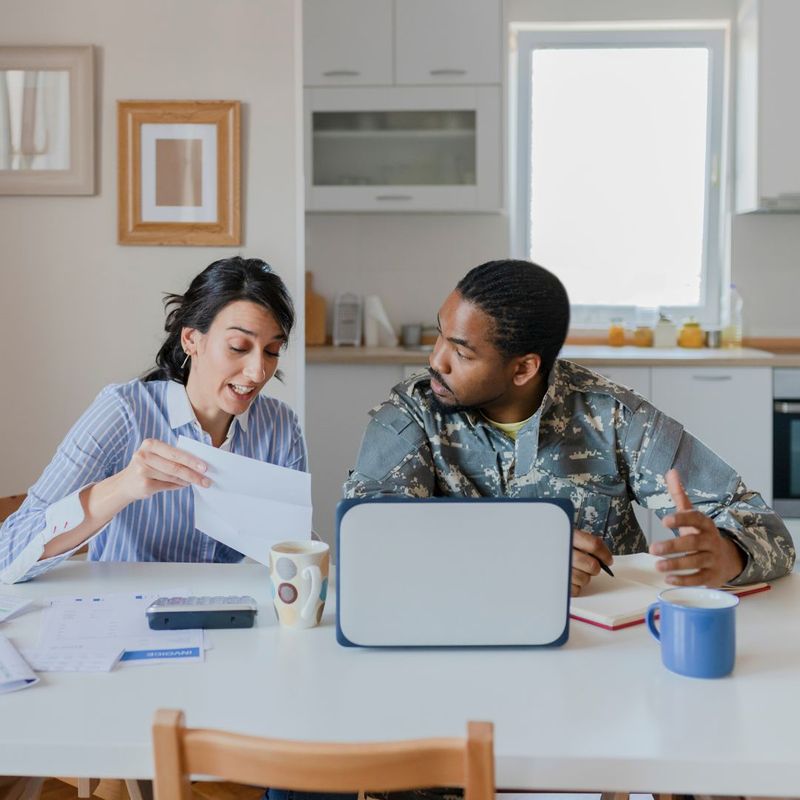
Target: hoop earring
185,360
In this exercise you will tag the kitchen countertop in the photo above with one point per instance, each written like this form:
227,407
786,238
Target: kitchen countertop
583,354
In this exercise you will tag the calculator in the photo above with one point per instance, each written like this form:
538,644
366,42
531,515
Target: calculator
180,613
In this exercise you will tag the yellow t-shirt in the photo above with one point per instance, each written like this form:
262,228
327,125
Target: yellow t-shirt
509,428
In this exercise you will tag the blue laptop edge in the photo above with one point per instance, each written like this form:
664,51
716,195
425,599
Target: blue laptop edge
345,505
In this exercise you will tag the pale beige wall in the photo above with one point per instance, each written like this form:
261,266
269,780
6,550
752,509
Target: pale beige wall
79,311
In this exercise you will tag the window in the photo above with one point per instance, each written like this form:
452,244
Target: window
618,152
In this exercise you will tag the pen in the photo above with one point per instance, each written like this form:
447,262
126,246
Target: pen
604,567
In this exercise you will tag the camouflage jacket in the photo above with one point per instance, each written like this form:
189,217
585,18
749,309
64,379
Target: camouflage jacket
596,443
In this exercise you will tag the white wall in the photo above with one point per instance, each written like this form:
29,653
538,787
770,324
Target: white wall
79,311
412,261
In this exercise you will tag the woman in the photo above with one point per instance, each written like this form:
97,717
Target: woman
117,481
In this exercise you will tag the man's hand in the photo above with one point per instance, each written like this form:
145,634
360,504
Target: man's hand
588,551
716,558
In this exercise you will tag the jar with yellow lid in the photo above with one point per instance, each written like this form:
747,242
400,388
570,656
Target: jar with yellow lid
616,333
691,334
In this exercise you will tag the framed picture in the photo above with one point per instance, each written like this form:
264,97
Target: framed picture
46,120
179,179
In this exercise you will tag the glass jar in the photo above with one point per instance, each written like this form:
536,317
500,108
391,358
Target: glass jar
616,333
665,334
643,336
691,334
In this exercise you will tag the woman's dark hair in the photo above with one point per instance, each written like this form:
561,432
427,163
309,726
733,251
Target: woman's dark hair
528,304
223,282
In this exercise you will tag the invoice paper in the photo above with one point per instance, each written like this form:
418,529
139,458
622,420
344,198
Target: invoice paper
250,504
101,623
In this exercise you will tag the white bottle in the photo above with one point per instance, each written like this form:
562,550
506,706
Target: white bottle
732,332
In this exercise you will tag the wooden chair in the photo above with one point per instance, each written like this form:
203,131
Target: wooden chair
320,767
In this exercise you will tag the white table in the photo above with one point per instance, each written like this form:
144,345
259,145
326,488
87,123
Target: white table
599,713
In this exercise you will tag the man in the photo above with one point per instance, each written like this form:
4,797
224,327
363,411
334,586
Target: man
499,415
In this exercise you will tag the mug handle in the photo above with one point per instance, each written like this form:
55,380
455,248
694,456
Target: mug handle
651,622
312,572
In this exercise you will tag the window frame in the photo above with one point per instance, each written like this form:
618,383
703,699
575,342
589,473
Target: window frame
714,231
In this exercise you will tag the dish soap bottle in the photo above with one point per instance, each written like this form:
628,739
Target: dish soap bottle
732,332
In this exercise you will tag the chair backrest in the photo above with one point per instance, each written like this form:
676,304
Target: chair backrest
8,505
317,766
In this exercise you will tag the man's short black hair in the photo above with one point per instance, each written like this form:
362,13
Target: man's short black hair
528,304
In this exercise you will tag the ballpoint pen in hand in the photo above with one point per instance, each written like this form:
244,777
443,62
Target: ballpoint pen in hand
604,567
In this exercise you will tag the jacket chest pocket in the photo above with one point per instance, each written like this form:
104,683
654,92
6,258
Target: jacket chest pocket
462,469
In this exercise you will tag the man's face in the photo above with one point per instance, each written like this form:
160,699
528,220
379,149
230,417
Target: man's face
467,371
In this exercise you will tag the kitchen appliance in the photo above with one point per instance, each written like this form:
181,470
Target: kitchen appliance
786,442
347,319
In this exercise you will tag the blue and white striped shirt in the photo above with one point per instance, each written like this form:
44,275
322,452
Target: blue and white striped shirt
101,443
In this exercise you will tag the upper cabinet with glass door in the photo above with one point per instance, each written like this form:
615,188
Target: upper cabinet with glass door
403,149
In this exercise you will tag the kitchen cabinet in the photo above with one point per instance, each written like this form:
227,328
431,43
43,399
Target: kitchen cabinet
347,42
728,409
402,42
431,49
429,139
403,149
767,115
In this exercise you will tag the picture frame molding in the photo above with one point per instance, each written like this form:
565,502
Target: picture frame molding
226,115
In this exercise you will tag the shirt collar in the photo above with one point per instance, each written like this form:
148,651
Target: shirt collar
180,411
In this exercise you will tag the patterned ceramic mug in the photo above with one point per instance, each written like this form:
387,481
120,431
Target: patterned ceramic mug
299,581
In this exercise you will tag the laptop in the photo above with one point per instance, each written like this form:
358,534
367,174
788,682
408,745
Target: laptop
452,572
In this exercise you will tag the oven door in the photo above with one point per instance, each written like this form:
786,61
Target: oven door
786,457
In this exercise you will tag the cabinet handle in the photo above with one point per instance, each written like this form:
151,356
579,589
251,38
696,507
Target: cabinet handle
787,408
436,72
341,73
394,197
714,378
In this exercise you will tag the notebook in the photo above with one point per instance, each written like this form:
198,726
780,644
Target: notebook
622,601
446,572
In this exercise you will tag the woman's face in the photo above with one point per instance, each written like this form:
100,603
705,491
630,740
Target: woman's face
234,359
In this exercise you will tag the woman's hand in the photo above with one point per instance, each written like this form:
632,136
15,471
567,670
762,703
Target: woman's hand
155,467
158,467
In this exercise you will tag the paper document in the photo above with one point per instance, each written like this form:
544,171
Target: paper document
73,659
89,629
250,504
11,606
14,671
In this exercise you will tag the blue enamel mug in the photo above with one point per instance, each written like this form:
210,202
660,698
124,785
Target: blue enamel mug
697,630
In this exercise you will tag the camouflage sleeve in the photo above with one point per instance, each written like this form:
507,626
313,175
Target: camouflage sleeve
654,443
395,457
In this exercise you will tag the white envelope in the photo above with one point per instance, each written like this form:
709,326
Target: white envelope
250,504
